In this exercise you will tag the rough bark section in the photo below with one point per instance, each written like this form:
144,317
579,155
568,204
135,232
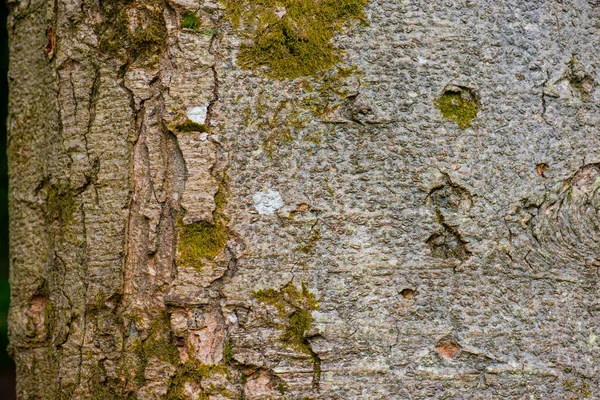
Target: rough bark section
106,180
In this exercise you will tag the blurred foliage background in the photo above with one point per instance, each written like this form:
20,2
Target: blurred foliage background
6,365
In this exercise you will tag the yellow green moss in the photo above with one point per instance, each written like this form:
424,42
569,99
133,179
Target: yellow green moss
280,136
158,344
324,100
275,124
281,388
101,387
193,372
203,240
190,126
209,31
314,138
579,79
150,38
228,353
278,121
292,38
309,245
580,391
113,31
60,203
150,33
135,363
190,21
459,106
299,323
295,305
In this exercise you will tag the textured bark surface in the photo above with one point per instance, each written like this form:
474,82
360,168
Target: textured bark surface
418,221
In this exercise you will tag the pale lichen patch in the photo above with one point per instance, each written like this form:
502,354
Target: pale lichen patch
267,202
197,114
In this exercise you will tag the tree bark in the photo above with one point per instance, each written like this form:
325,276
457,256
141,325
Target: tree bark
304,199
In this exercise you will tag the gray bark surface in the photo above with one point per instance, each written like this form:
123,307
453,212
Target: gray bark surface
187,227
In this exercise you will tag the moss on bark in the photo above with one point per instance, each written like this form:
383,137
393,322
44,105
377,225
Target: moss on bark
292,38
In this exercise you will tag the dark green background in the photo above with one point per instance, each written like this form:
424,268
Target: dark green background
6,365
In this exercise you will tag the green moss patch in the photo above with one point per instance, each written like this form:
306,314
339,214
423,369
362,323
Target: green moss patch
192,372
294,305
309,245
158,344
459,106
279,121
149,35
281,388
190,21
60,203
102,387
190,126
293,38
579,79
228,353
203,240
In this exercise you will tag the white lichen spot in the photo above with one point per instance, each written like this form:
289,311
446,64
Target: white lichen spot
267,202
280,12
232,318
592,339
197,114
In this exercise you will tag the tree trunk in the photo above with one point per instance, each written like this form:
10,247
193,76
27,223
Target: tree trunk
304,199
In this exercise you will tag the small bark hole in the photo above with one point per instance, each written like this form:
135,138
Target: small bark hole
448,244
541,168
36,317
448,349
51,43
